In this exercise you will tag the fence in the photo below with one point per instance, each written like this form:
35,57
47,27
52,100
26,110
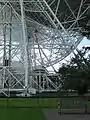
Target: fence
73,105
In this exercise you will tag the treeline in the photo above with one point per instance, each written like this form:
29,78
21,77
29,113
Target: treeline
76,75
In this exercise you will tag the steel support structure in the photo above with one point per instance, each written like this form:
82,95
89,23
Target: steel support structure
24,43
30,55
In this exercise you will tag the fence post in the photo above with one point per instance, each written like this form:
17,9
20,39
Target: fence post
59,107
85,108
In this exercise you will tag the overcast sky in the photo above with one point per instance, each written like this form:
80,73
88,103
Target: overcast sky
84,42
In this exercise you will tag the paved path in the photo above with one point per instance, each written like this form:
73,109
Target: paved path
52,114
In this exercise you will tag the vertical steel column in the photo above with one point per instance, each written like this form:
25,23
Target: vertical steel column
10,37
30,62
24,43
4,76
4,35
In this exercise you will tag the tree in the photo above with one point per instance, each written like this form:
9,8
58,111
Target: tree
76,75
82,87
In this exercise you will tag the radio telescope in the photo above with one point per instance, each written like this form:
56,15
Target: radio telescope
35,35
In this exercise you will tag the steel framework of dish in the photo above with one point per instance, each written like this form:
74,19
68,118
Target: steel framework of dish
35,35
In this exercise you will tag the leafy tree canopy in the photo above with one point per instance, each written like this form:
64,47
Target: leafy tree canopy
76,75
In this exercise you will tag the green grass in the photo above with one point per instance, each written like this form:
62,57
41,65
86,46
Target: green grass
29,102
42,102
13,108
21,114
31,108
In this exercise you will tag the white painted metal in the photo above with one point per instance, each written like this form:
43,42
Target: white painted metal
24,44
30,53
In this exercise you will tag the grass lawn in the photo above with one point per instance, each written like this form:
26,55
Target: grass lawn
42,102
21,114
25,108
29,102
31,108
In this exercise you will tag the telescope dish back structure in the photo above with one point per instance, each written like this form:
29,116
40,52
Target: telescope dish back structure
35,35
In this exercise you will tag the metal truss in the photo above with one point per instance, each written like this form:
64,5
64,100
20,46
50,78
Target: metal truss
36,35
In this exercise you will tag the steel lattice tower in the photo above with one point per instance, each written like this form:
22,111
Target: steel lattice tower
35,35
